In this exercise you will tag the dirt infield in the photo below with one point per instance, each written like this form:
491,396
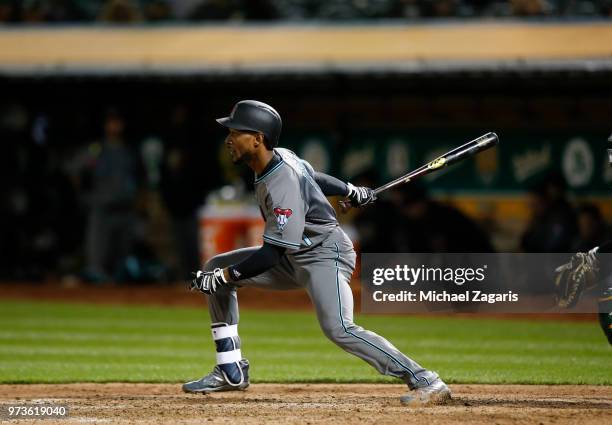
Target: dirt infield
316,404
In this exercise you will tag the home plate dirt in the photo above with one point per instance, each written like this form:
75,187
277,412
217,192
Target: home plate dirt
314,404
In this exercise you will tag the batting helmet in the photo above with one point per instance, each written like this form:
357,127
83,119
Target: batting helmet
251,115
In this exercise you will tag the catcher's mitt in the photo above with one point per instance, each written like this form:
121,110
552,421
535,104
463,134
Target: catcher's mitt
574,277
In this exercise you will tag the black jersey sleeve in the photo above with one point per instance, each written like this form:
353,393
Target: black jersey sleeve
260,261
330,185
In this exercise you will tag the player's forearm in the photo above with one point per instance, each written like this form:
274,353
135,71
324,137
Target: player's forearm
262,260
330,185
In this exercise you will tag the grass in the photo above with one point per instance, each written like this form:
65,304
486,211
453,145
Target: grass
53,342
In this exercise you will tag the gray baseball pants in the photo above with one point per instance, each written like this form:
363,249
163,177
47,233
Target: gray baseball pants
325,272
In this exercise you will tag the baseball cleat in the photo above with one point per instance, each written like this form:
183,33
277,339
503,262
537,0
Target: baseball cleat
217,381
435,393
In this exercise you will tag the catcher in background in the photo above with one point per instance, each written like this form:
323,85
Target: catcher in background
582,272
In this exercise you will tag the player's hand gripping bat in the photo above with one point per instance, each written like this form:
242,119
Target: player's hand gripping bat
460,153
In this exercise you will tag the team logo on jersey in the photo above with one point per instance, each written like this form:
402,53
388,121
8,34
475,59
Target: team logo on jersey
282,215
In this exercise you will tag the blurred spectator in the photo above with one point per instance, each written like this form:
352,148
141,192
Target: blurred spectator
214,10
54,239
429,226
260,10
115,179
530,7
409,9
181,9
39,212
345,10
552,226
441,8
14,206
535,234
10,11
156,10
252,10
121,11
592,229
52,11
182,190
412,222
129,11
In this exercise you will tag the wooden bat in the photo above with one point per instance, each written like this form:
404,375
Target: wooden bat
460,153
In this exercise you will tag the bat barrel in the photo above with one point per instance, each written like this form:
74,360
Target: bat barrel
467,150
480,144
488,140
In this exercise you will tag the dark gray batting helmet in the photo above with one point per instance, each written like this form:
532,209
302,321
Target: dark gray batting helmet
252,115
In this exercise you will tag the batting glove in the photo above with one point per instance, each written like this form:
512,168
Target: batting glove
360,195
207,282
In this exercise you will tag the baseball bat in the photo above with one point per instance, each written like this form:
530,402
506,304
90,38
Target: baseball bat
451,157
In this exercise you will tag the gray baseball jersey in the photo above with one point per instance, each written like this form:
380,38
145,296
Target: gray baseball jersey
320,259
297,213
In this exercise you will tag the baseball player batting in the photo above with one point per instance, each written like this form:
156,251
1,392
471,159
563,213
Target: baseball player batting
304,247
